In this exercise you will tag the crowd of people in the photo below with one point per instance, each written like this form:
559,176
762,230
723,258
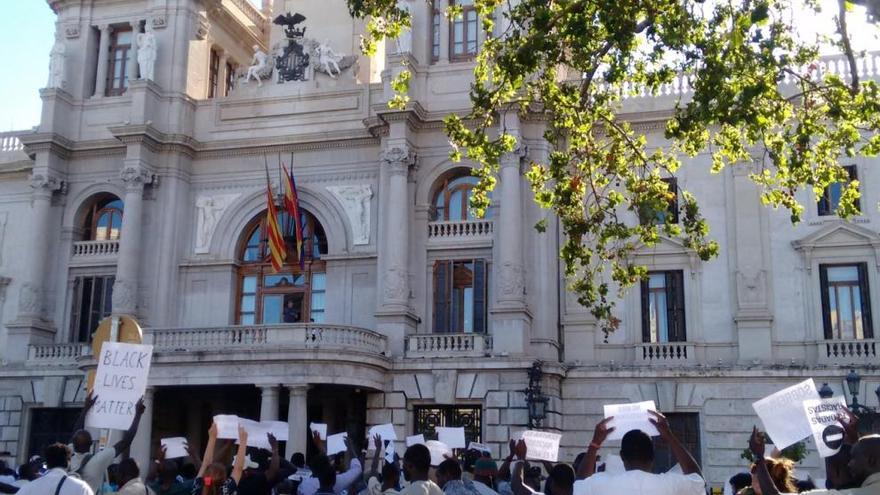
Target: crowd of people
77,469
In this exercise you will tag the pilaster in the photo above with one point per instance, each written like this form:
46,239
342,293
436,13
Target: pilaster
297,417
103,53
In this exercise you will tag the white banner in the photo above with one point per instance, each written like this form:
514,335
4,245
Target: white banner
120,382
823,417
783,413
453,437
175,447
541,445
628,417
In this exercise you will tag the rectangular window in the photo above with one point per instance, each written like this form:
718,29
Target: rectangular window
463,32
92,298
830,199
663,316
248,305
846,301
230,79
460,296
214,74
118,61
685,427
50,425
318,302
428,418
435,35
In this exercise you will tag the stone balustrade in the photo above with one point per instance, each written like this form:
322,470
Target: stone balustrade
56,354
460,232
251,12
665,353
86,249
448,345
9,142
848,352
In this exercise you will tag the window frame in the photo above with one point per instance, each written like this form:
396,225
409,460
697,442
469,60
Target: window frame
444,305
114,47
443,189
863,284
76,311
676,307
98,209
465,56
824,206
213,74
229,84
447,415
678,423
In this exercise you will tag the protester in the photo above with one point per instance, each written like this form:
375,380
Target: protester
166,481
57,481
449,479
92,466
416,465
212,479
130,482
560,479
260,480
28,472
384,483
344,481
485,471
637,453
737,482
781,472
326,481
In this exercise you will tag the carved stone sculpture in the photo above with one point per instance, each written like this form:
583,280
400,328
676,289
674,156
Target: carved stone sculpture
511,280
56,64
210,209
325,59
146,55
395,284
260,68
29,300
404,41
356,202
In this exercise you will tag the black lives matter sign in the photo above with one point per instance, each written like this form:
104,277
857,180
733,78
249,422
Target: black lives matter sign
120,381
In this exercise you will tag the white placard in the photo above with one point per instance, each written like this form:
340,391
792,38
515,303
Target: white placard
453,437
385,432
227,426
389,452
628,417
541,445
120,382
415,440
439,451
479,447
279,429
175,447
336,443
321,428
783,413
257,433
823,416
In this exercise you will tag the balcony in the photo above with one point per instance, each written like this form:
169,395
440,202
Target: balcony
445,345
848,352
56,354
460,233
666,353
11,148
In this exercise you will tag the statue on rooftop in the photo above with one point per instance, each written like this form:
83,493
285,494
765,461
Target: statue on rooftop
260,67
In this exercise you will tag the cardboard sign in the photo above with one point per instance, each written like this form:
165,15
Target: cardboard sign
336,443
415,440
120,381
321,428
175,447
439,451
385,432
479,447
628,417
783,413
541,445
453,437
823,417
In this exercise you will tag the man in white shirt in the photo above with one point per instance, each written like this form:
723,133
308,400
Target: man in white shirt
637,453
56,481
416,465
344,481
93,467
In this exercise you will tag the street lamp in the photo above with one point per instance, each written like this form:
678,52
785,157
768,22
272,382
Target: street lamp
853,380
536,401
868,416
825,392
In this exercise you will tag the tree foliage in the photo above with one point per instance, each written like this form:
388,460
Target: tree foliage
757,98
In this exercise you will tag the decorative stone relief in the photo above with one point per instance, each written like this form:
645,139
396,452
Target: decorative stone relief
356,202
124,296
202,27
398,159
71,31
56,65
209,210
511,280
395,284
751,289
29,300
159,22
46,185
135,177
261,67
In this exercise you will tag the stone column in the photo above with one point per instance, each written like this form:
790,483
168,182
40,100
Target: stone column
103,53
31,299
395,294
511,320
140,446
297,420
445,48
269,402
132,65
134,176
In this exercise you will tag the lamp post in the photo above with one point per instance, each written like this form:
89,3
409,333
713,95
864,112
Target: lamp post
868,416
536,401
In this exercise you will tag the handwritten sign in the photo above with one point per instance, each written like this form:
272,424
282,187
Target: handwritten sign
120,381
628,417
453,437
542,445
439,451
823,417
385,432
321,428
415,440
783,413
336,443
175,447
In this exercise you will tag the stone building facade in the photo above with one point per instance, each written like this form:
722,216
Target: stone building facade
147,197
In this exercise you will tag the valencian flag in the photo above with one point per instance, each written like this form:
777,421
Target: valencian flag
277,248
291,203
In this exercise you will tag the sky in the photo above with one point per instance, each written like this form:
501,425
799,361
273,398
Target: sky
27,33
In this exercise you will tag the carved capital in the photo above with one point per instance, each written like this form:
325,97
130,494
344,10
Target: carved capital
159,22
515,157
104,28
71,31
45,185
135,177
398,159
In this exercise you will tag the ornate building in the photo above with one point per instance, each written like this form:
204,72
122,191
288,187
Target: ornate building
146,196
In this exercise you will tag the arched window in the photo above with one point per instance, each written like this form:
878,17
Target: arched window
451,201
104,220
293,295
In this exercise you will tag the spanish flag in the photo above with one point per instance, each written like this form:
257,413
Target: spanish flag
277,248
291,203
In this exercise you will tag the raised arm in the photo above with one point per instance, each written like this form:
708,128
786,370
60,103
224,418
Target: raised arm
238,467
123,445
208,458
756,445
374,466
81,419
682,456
275,462
320,444
504,470
518,484
588,466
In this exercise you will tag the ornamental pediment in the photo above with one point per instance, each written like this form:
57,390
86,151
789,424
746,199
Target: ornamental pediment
836,235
